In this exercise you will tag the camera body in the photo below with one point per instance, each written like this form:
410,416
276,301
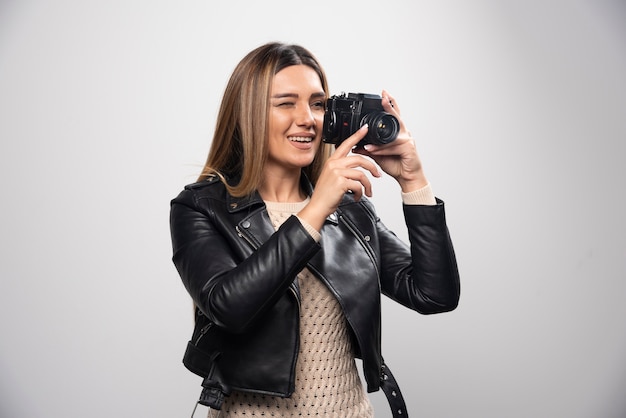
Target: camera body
345,114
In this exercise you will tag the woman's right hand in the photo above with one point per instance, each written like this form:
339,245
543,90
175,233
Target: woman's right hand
343,172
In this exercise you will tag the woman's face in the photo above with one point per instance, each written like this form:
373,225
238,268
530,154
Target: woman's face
296,117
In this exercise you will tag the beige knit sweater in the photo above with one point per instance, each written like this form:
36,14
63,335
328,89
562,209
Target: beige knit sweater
327,381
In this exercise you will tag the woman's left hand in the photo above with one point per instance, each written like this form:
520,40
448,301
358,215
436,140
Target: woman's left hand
399,158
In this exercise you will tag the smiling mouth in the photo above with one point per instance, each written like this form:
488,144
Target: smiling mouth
303,139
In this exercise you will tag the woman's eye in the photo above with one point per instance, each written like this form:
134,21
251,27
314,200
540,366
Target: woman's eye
318,105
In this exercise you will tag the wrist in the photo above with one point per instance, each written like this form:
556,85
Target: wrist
413,184
312,217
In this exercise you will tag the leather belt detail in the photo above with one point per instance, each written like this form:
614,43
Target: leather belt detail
392,391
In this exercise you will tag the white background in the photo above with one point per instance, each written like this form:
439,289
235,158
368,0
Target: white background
519,112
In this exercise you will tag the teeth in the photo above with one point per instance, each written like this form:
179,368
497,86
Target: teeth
300,139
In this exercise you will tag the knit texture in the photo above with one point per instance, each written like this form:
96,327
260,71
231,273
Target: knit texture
327,381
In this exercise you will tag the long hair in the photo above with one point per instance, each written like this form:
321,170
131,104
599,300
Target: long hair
239,146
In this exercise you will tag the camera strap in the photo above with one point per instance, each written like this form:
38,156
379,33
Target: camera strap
392,391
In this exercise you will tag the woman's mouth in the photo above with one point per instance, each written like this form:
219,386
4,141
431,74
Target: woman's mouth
304,139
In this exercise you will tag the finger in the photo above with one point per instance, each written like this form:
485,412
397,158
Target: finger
398,147
389,103
357,180
344,148
391,106
351,180
357,192
354,161
358,189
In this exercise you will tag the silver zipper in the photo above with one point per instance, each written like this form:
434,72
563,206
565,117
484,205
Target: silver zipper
203,332
245,237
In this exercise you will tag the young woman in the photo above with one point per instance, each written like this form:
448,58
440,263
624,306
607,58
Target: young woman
285,257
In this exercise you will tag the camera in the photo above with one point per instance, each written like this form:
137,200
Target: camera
345,114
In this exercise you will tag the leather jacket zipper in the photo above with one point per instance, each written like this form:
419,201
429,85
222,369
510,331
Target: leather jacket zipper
246,238
203,332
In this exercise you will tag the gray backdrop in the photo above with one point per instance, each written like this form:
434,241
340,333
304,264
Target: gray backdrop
518,109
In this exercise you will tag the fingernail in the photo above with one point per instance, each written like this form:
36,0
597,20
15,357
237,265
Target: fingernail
366,126
368,147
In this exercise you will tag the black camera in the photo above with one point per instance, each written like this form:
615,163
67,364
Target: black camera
345,114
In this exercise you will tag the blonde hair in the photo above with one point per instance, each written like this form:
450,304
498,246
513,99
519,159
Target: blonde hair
239,145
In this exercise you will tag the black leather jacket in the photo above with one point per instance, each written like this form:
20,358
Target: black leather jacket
241,275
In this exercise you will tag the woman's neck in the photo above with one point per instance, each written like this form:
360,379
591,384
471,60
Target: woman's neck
281,188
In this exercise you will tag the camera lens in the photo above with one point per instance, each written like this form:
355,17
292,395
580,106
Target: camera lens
383,127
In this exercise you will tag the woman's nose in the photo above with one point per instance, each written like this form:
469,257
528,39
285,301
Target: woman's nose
304,116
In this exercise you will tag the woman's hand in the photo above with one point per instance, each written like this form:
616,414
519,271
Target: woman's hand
399,158
342,172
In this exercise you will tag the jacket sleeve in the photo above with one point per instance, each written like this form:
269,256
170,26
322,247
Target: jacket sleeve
230,291
427,279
